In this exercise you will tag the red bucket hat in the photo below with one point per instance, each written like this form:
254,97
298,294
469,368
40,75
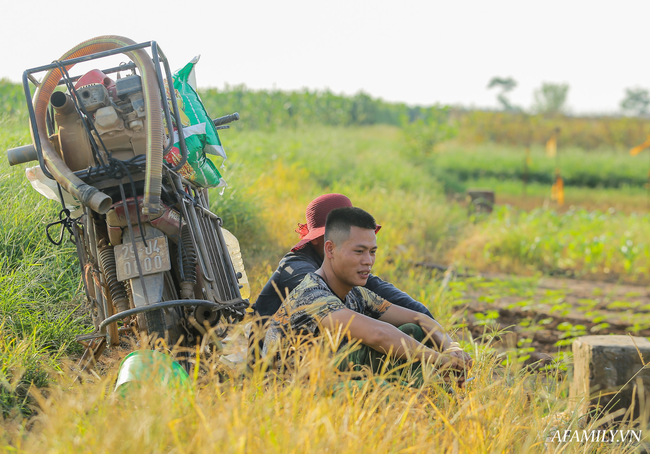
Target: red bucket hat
316,214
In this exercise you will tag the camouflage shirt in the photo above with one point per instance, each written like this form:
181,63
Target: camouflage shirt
313,300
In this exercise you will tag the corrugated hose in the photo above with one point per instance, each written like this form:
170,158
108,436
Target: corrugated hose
85,193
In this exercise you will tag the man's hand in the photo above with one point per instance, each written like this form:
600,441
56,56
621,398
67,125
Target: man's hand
454,366
456,351
398,316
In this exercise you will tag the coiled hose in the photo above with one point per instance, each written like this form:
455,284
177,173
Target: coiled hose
89,195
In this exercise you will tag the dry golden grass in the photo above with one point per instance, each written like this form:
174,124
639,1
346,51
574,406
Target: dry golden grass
311,408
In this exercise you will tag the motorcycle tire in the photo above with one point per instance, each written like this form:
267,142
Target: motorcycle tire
155,322
162,325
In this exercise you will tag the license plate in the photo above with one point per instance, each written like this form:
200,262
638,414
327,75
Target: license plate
154,258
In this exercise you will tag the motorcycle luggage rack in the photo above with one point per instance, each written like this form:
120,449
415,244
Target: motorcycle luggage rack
98,176
113,70
158,57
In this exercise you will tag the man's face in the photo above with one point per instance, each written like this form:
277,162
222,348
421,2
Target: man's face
352,259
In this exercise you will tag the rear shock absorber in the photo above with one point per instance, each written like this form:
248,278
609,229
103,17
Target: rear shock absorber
115,287
188,262
129,292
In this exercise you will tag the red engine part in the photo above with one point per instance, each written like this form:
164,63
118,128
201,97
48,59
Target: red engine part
96,76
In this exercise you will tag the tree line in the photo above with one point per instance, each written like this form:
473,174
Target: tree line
550,98
424,125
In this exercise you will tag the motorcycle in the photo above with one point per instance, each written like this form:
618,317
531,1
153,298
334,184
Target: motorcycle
152,255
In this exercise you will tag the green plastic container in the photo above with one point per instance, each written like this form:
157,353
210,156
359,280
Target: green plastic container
141,366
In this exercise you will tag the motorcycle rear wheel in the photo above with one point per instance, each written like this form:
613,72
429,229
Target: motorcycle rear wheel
164,323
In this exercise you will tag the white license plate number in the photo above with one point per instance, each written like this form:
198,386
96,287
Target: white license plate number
154,258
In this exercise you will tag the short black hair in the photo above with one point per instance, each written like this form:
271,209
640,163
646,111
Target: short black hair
343,219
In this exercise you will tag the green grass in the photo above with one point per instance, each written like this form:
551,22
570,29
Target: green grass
12,99
579,168
274,174
40,311
279,172
577,243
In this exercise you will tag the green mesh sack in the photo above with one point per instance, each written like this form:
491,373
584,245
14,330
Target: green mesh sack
199,169
199,133
194,108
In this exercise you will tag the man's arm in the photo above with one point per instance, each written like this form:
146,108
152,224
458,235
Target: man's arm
398,316
386,338
391,293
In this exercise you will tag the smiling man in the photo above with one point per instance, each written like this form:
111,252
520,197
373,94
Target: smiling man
334,298
307,256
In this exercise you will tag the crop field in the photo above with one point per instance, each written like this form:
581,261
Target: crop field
521,283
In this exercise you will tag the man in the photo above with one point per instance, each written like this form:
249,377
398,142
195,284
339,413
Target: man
307,256
334,298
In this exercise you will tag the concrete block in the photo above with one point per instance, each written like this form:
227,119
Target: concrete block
603,365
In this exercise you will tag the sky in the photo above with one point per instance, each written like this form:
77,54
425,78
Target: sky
412,51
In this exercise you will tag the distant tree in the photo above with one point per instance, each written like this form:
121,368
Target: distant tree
551,98
430,127
636,101
364,109
506,85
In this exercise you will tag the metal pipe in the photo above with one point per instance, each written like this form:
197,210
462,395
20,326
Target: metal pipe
212,259
234,287
176,110
99,294
112,70
62,103
163,305
177,181
197,234
211,224
21,155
